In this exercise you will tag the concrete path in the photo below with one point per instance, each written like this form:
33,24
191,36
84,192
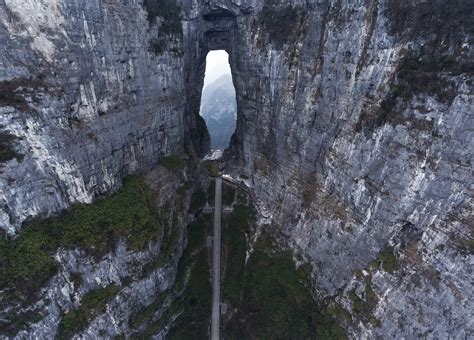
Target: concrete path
216,263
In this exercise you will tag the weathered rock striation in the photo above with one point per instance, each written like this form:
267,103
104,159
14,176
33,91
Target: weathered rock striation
90,100
354,130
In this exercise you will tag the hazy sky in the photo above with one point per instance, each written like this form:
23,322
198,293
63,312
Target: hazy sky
217,64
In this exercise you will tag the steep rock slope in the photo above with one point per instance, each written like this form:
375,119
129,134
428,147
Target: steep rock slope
90,93
354,131
219,110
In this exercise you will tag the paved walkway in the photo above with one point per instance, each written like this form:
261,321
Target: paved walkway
216,263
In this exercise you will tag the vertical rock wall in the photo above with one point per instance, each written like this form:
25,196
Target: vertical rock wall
89,99
354,130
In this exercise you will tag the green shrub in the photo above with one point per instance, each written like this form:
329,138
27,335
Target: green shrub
170,13
387,259
236,224
93,304
129,214
417,73
18,321
212,168
309,195
242,198
374,321
211,191
338,312
185,188
228,194
172,163
75,122
12,92
194,305
276,301
146,313
198,201
7,151
29,264
357,302
157,46
281,24
365,307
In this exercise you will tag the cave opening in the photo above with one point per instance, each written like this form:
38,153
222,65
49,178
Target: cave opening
218,100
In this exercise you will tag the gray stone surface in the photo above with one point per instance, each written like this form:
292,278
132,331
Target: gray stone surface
340,182
342,188
141,279
101,104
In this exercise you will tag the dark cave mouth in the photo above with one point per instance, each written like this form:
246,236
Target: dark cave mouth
218,105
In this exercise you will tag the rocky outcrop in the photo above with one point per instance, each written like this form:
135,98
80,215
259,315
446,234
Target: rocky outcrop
92,295
91,96
354,130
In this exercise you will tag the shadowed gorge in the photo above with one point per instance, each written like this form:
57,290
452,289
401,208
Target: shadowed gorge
347,204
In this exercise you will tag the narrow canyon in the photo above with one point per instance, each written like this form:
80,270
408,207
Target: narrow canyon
348,182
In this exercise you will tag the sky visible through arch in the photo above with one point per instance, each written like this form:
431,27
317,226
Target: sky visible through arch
218,100
217,64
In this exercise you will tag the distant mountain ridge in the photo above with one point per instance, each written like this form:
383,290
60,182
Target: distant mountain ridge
219,110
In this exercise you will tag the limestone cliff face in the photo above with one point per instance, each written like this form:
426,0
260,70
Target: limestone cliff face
89,99
354,130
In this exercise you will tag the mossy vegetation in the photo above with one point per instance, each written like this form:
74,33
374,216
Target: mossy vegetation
169,12
236,225
170,27
185,187
145,314
387,259
172,163
228,194
193,266
157,46
357,302
270,297
416,74
242,198
198,200
281,24
309,195
161,44
130,214
364,307
12,92
337,312
212,168
211,191
194,305
92,304
21,320
428,69
7,149
277,304
420,73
